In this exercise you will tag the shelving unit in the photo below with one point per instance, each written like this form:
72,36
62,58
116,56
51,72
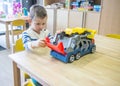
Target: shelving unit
62,19
76,18
49,2
104,21
51,22
92,20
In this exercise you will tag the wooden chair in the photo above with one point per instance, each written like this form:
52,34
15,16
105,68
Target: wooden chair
17,47
17,27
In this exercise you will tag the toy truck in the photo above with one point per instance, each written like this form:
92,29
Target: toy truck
71,44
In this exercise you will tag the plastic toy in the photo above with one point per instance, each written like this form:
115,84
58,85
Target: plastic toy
25,12
32,82
2,14
29,82
72,43
17,8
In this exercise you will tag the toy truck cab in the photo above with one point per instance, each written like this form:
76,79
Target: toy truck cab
69,47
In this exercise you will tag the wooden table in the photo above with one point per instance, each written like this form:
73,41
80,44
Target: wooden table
7,21
99,69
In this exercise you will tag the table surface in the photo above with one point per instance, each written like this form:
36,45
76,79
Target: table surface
99,69
7,20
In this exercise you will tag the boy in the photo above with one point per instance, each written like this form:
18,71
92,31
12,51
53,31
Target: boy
33,38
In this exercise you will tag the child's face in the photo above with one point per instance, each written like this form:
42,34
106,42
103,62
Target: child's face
38,24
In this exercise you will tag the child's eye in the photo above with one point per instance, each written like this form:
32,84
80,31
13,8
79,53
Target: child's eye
43,24
37,23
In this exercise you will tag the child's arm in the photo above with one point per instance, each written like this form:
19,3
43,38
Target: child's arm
38,43
30,43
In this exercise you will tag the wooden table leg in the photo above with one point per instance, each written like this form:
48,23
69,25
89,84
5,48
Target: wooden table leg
17,78
7,36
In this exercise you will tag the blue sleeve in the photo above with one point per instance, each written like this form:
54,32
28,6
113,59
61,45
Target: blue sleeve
25,38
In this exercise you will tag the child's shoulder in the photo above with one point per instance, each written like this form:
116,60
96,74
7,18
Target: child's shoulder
29,31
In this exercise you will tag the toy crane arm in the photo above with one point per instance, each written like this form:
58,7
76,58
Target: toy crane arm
58,48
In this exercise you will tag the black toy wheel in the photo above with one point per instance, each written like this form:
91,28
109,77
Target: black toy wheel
78,55
71,58
93,49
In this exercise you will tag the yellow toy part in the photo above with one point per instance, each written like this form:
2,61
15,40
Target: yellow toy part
29,82
78,30
93,32
70,31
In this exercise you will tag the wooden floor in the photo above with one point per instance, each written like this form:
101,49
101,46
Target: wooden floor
6,73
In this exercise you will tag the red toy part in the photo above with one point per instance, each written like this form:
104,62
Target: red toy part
59,48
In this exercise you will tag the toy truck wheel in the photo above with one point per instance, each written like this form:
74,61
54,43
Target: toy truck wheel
71,58
78,55
93,49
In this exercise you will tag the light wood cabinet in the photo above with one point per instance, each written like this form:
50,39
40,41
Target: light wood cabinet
110,17
75,18
92,20
51,22
106,22
49,2
62,19
69,18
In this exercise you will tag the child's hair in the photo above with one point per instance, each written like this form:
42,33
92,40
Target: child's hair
37,11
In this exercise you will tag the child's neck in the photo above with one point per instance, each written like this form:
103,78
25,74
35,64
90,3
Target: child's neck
36,31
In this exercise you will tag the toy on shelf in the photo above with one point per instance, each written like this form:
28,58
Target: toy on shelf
25,11
29,82
32,82
72,43
17,8
2,14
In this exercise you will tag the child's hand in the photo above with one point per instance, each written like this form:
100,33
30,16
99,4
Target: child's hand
38,43
41,43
